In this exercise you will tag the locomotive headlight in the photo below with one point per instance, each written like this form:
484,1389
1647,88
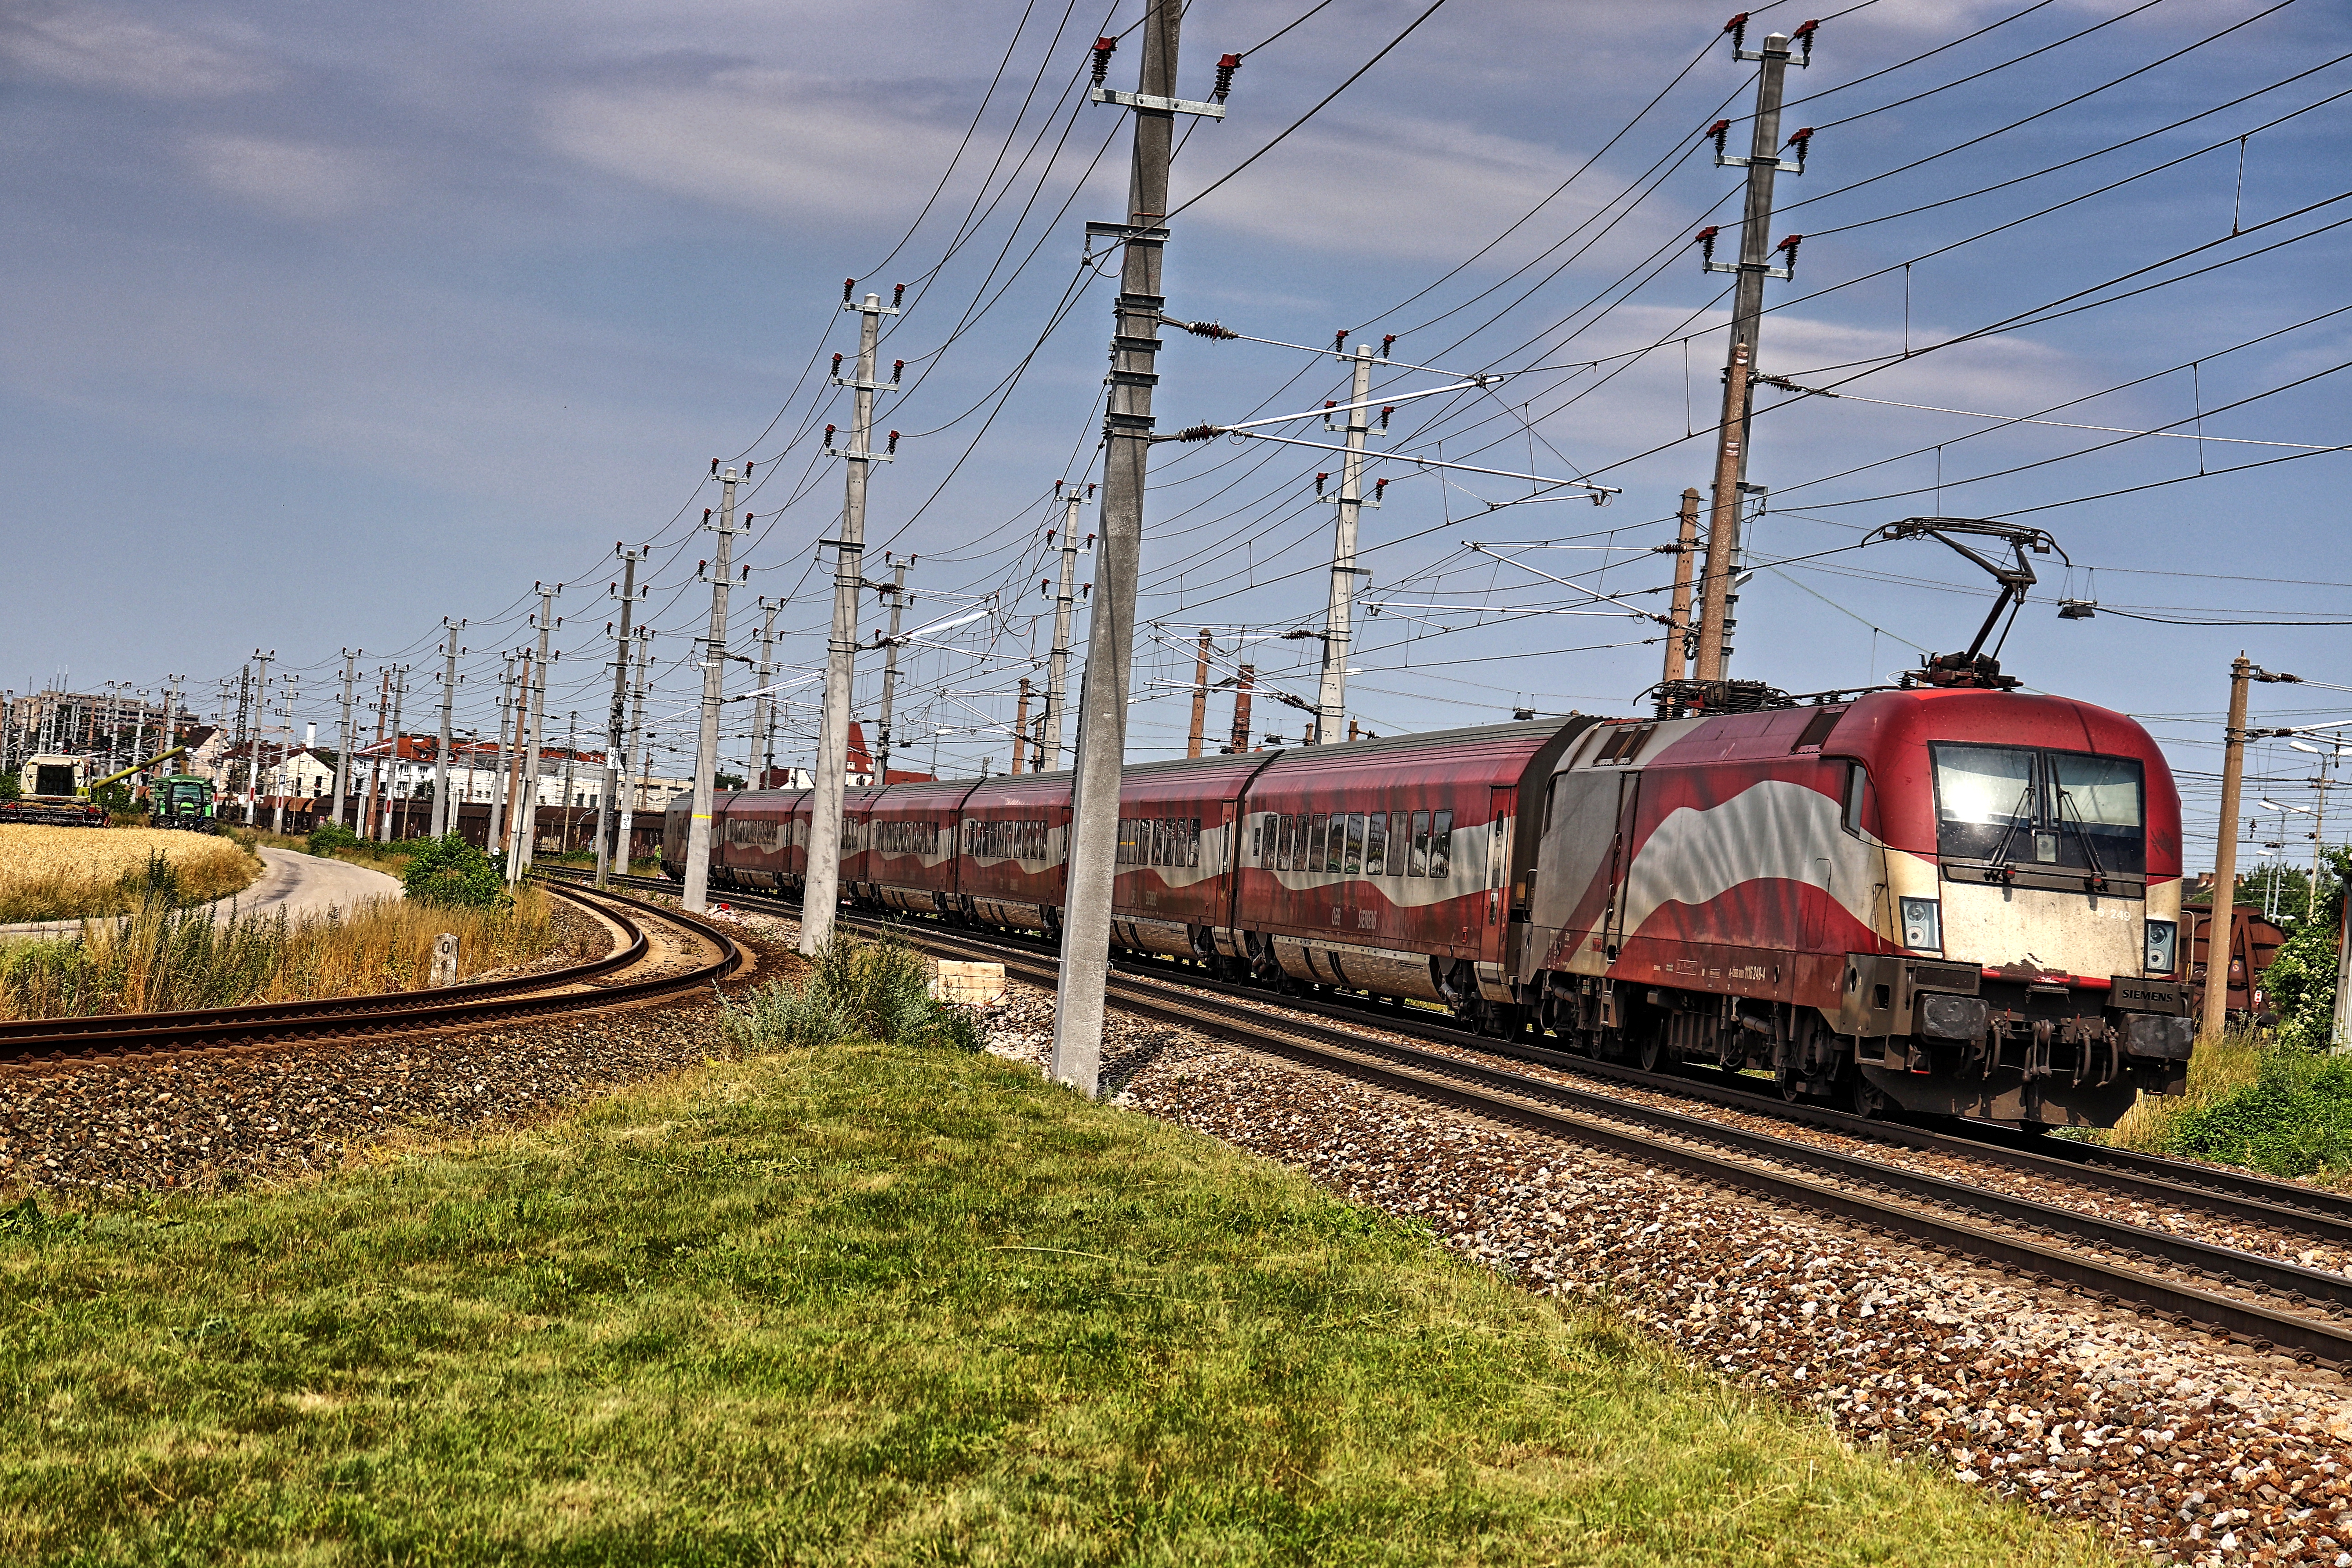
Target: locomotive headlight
2163,938
1923,925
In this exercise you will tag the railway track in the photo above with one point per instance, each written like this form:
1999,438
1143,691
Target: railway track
2268,1303
595,985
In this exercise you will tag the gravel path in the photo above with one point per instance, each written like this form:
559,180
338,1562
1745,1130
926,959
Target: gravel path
291,883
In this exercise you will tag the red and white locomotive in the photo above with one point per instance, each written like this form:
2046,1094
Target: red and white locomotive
1959,901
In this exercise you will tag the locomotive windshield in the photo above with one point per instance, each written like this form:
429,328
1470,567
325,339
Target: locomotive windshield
2020,805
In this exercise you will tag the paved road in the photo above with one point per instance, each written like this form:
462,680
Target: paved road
297,883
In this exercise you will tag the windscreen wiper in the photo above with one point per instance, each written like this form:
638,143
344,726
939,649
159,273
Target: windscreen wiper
2083,833
2001,850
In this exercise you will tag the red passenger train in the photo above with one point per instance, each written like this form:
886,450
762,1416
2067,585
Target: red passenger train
1948,901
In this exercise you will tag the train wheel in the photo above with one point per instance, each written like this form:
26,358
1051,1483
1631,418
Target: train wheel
1653,1056
1865,1099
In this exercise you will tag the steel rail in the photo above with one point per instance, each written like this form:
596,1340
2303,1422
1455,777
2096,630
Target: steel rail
2291,1206
43,1040
1744,1158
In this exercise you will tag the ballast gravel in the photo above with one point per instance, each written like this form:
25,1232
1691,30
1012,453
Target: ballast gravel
158,1123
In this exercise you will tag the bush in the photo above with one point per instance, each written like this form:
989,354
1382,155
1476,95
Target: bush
2293,1120
2300,987
452,873
878,990
329,836
11,787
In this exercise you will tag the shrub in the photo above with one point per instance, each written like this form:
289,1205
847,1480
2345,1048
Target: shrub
449,872
877,989
2293,1120
329,836
11,787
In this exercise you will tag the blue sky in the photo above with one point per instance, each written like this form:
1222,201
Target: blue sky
323,323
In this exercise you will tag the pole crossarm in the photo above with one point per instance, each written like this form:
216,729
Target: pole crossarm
1474,383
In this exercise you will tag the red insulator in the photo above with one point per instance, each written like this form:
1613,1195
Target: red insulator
898,369
1387,344
1318,482
894,443
1227,66
837,368
848,287
1104,48
1719,131
828,437
898,294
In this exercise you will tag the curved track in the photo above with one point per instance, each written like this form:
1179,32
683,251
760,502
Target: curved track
600,983
2263,1302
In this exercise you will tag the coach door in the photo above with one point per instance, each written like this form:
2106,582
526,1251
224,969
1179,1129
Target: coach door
1621,864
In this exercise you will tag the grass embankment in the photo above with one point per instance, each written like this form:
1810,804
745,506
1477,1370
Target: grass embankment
68,873
2271,1107
875,1304
163,959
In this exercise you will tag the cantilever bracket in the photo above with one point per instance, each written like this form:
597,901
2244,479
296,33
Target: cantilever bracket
1152,100
1783,273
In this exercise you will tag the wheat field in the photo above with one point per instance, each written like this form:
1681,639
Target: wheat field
165,959
66,873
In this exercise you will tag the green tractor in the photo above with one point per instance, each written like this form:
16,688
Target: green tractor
184,801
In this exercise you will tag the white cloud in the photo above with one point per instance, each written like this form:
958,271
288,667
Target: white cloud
1413,189
293,179
767,142
91,49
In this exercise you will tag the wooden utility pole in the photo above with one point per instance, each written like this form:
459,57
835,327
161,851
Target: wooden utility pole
1020,725
1200,698
2219,932
1242,685
1110,637
1763,162
1678,652
1722,522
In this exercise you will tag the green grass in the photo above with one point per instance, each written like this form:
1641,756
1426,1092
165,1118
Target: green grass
874,1305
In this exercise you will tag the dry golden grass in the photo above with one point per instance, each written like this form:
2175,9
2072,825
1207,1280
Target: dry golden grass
162,959
66,873
2220,1065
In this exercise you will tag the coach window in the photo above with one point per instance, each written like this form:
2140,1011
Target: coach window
1354,863
1419,865
1376,843
1441,845
1335,842
1192,844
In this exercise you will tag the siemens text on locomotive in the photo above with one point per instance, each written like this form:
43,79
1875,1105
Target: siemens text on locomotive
1957,901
